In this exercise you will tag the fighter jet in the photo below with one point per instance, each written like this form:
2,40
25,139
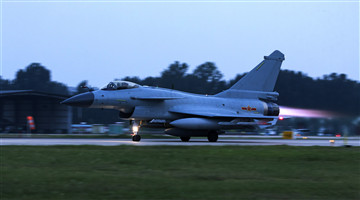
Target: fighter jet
249,103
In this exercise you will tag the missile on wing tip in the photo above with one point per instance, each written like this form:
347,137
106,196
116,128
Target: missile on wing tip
195,123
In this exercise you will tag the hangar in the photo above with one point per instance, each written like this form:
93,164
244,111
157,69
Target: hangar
48,114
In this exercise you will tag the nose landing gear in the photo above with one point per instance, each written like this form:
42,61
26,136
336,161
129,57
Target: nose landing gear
136,138
135,129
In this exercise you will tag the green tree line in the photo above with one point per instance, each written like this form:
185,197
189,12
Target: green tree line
34,77
333,92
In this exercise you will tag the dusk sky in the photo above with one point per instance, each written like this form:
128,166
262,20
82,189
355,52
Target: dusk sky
99,41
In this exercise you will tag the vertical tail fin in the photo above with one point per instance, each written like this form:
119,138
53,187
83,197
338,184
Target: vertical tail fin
263,77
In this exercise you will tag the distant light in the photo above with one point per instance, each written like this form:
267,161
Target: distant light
338,135
305,138
332,141
281,118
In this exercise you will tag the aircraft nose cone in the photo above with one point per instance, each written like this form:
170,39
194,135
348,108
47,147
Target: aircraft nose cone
81,100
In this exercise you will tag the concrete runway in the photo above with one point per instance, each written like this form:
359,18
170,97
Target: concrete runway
174,142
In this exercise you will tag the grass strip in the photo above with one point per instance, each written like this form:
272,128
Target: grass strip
179,172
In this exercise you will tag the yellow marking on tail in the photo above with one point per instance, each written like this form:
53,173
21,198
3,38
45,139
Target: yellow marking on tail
261,64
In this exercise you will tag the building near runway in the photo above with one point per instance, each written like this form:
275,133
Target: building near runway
48,114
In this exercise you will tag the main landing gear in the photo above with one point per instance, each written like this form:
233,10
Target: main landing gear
213,136
135,129
185,138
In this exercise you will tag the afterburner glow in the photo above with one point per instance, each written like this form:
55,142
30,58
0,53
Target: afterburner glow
300,112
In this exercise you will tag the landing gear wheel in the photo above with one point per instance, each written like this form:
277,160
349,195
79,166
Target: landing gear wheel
185,138
136,138
213,136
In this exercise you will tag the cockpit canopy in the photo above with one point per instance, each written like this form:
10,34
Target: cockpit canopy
120,85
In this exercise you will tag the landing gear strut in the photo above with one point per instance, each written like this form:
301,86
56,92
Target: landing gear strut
213,136
135,129
185,138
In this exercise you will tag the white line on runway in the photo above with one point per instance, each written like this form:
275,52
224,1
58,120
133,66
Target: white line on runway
171,142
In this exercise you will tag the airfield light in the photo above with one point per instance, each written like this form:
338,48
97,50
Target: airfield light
305,138
332,141
338,135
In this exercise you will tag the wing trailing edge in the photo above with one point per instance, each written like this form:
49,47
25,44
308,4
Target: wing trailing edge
155,98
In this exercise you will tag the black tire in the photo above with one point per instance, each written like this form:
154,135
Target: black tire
136,138
213,136
185,138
